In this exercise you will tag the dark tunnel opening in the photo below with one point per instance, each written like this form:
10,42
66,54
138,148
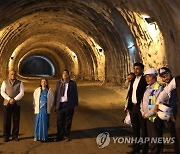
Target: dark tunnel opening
36,66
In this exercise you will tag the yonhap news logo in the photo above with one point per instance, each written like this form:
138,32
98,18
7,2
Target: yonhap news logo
103,140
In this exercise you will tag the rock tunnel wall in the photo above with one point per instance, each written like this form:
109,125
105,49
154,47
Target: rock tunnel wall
95,40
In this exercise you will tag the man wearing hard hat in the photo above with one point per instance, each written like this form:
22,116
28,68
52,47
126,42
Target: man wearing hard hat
149,108
168,103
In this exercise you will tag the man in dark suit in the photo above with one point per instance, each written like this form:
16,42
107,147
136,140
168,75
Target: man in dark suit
66,98
135,96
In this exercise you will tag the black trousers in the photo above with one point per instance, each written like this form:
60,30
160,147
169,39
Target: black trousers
139,126
155,130
11,112
178,134
64,120
178,128
172,130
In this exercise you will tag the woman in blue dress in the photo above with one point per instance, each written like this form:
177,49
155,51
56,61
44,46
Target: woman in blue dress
43,99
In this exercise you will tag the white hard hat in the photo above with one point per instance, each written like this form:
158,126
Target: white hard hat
127,119
164,112
150,71
164,108
163,115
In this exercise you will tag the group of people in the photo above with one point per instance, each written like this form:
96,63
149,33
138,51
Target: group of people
153,106
63,101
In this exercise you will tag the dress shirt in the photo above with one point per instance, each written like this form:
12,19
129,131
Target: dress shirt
135,85
64,98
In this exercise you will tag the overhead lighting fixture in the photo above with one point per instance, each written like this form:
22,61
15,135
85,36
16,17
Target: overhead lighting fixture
100,50
129,47
150,20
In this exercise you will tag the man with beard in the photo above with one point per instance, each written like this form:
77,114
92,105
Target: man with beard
169,97
135,96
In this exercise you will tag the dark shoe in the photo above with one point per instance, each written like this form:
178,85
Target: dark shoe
44,141
6,139
15,139
58,139
66,139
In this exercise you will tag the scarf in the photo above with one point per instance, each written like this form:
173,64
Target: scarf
62,87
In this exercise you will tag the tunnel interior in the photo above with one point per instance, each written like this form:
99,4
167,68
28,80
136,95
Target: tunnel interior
96,41
36,66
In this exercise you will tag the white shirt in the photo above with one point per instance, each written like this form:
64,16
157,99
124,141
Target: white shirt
166,92
5,96
135,85
64,98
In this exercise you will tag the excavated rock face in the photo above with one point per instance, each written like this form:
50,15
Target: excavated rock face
95,40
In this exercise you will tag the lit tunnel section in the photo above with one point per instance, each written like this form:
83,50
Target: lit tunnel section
94,41
35,66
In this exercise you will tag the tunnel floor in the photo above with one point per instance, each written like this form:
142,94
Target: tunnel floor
100,110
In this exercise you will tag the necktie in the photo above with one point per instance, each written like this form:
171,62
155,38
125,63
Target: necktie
62,89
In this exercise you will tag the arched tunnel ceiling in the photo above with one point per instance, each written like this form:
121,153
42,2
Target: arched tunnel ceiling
105,36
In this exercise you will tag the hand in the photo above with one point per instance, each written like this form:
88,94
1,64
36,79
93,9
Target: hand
144,116
12,101
126,110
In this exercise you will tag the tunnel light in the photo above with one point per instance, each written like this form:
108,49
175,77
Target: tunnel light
100,50
152,29
151,25
145,16
74,55
132,49
131,46
149,20
129,43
